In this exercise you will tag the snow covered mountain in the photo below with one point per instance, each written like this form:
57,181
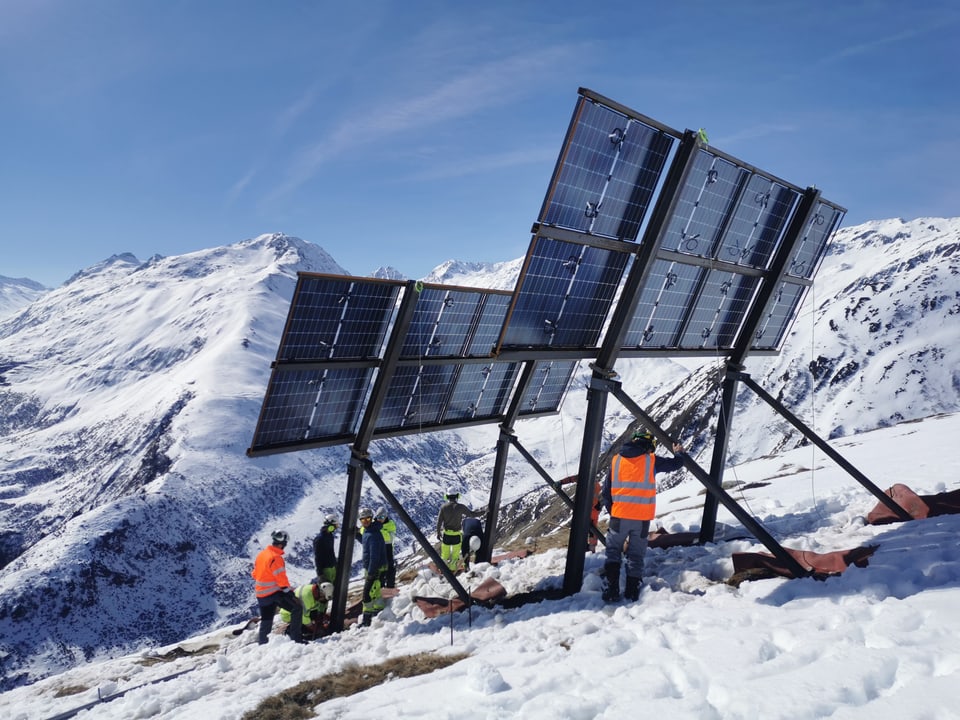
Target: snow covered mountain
17,293
129,511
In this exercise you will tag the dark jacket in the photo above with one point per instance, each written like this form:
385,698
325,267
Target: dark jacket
324,555
374,548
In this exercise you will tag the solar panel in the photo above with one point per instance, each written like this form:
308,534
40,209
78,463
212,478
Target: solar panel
663,305
563,295
812,246
608,170
481,391
451,322
430,396
310,404
778,317
416,396
730,213
718,310
807,255
548,387
337,317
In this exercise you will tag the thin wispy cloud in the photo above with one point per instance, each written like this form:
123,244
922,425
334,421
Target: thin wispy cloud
486,163
870,46
282,124
293,112
240,185
490,85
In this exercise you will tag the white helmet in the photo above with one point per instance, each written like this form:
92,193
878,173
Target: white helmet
452,493
365,513
331,519
327,590
475,543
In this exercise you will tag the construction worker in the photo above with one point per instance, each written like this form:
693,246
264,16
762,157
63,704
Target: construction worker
388,528
630,496
374,564
450,527
273,589
314,597
324,555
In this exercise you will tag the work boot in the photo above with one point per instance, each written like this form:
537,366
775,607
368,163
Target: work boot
611,582
367,619
632,591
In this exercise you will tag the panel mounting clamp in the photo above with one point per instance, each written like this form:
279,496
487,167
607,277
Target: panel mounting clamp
605,373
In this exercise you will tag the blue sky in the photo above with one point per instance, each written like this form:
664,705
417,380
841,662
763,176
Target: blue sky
409,133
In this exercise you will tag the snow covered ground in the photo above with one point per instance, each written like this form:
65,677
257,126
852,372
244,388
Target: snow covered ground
875,642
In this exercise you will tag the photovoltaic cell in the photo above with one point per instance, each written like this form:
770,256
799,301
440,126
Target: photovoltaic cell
481,391
756,228
455,323
416,396
664,305
563,295
304,405
813,243
429,396
719,310
729,213
548,387
781,312
606,174
337,317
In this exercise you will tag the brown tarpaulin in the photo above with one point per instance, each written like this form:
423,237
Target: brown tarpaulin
486,592
919,506
819,564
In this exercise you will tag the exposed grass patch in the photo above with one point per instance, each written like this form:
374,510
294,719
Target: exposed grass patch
176,653
298,702
68,690
737,579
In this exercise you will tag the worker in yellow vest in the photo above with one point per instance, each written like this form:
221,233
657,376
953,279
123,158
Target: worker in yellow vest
314,597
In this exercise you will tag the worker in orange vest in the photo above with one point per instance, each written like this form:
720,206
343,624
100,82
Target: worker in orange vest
630,496
273,589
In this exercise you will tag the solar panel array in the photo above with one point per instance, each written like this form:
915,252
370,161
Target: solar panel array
706,232
332,351
713,252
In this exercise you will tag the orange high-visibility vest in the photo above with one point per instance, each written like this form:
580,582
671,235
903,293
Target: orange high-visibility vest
269,572
633,488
